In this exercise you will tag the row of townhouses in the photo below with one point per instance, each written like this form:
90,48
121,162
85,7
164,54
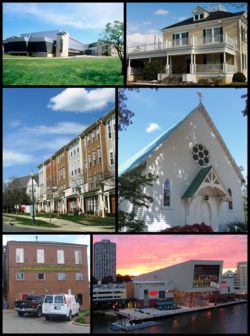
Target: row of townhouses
212,43
81,174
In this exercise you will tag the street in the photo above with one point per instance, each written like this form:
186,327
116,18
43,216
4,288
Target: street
29,324
10,228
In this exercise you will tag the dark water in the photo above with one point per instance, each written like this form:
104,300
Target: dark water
227,319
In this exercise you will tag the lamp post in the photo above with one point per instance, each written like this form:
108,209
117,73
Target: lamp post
33,212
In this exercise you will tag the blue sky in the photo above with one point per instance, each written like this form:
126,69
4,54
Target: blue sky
156,111
83,21
38,122
145,21
74,239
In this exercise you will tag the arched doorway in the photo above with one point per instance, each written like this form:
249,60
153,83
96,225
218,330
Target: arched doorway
203,212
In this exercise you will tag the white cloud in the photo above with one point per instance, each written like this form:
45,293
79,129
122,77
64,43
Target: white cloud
77,15
137,39
13,158
161,12
15,123
151,31
146,23
182,18
81,100
133,27
152,127
6,239
60,128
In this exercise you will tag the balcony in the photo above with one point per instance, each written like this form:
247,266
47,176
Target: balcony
192,41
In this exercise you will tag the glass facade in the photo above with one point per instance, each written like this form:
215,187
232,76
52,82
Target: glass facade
204,274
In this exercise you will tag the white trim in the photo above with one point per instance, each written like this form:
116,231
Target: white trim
20,279
164,207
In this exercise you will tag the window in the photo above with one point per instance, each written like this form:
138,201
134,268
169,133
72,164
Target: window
92,203
166,197
91,182
63,172
230,204
73,189
86,166
40,256
90,160
61,45
98,132
72,171
200,155
113,118
201,16
85,143
79,276
60,256
243,35
244,62
64,186
95,181
204,274
19,255
40,276
109,130
196,17
80,182
100,176
180,39
99,156
75,168
93,136
78,257
211,35
20,276
61,276
88,140
111,158
94,158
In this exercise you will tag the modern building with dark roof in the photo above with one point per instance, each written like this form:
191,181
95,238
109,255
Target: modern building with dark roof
198,179
210,46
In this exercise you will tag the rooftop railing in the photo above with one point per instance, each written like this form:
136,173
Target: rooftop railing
215,8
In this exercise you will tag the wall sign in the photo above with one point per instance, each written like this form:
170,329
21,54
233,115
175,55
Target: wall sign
215,285
48,268
153,293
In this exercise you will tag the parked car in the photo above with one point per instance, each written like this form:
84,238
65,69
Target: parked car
32,305
60,305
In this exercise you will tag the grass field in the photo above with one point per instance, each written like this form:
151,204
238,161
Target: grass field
27,221
84,71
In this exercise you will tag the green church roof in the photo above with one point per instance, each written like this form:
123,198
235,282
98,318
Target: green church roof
144,153
194,186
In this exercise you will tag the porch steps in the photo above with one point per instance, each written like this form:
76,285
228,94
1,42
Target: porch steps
172,79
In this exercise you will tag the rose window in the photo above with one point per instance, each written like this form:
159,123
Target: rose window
200,155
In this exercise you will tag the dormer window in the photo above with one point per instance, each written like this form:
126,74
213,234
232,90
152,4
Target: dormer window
199,17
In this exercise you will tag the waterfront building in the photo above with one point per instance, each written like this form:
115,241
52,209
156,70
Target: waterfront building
199,181
212,43
104,259
241,288
40,267
190,279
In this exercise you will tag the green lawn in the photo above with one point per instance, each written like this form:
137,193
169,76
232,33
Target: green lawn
237,84
108,221
27,221
84,71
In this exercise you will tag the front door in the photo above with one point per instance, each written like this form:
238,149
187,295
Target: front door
188,65
112,203
80,298
203,213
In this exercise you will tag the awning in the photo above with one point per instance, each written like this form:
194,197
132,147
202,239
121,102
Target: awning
112,300
165,303
194,186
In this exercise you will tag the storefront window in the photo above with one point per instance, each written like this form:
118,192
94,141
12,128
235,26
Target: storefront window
204,274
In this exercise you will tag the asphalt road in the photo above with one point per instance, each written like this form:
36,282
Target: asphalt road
29,324
10,228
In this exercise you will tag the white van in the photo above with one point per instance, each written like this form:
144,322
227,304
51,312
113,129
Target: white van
60,305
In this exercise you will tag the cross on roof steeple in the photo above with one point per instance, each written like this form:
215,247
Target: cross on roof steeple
200,95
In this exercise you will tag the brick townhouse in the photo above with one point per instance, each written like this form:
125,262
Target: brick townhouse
84,171
32,268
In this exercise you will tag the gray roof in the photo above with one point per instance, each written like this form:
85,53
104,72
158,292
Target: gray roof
23,181
212,16
42,242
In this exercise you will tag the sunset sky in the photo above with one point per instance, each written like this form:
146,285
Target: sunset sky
137,254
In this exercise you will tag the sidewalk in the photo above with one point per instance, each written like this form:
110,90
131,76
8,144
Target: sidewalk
64,225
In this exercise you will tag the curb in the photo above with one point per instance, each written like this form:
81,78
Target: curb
81,325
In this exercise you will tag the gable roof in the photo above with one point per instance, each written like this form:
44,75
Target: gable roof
23,181
212,16
147,151
140,158
194,186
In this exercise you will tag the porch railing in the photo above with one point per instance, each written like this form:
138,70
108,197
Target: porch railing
209,68
230,68
136,71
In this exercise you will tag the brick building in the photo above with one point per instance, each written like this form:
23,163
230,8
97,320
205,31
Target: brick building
32,268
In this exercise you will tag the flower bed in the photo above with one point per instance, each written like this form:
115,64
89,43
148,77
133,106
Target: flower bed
190,228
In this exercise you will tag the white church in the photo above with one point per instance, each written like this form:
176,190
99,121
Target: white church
199,180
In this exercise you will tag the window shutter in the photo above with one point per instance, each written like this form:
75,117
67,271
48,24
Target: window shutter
205,59
221,30
204,32
173,36
221,58
186,34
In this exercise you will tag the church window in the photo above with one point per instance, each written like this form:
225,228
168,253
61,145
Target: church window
200,155
167,193
230,204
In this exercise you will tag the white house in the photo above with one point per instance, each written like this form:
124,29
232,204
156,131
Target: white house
199,180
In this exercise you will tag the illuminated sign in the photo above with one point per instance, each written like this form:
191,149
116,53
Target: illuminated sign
215,285
223,286
171,290
223,282
48,268
153,293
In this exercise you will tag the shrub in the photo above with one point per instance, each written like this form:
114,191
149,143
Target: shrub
217,80
42,211
90,212
203,80
55,211
81,319
239,77
75,211
110,214
190,228
151,70
237,227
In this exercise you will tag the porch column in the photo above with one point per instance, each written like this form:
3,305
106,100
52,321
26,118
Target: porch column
234,63
103,205
167,63
224,62
128,70
165,44
191,65
149,59
82,204
146,47
170,70
194,64
108,203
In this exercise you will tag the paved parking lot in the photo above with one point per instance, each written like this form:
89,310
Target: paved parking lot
29,324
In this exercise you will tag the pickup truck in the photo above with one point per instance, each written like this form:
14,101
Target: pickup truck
32,305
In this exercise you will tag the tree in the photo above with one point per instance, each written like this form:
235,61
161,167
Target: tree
107,279
130,188
151,70
113,35
245,201
94,281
